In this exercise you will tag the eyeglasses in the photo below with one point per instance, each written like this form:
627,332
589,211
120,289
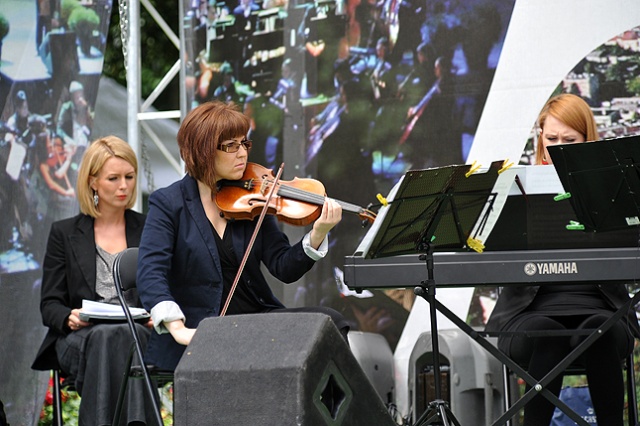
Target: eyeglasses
234,146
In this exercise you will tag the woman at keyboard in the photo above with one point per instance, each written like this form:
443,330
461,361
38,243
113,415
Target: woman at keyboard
567,118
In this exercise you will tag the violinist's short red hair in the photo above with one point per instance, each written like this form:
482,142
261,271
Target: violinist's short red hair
202,130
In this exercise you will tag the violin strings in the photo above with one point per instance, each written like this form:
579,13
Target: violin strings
299,194
302,195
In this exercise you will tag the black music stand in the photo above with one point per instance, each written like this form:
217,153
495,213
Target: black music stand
603,179
434,208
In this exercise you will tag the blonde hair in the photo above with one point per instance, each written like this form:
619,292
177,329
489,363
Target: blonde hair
573,111
92,162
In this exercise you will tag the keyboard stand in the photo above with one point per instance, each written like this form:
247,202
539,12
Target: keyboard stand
538,386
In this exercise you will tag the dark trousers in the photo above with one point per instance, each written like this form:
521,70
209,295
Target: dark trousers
96,358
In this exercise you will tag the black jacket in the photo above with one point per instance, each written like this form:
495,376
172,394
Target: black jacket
69,276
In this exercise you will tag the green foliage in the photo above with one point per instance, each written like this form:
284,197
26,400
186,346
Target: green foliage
83,21
71,405
633,86
157,52
4,27
616,71
67,7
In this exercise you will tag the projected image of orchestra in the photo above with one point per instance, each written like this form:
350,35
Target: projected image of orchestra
413,73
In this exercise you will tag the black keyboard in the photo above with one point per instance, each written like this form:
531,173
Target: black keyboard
465,269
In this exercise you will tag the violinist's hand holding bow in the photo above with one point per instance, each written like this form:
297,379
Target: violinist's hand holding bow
330,217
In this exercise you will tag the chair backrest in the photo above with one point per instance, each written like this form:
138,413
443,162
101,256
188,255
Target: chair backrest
125,267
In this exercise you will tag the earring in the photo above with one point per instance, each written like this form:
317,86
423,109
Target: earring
96,199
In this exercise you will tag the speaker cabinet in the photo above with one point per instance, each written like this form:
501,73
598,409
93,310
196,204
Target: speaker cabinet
273,369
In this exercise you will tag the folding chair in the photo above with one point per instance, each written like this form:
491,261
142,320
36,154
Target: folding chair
57,399
125,267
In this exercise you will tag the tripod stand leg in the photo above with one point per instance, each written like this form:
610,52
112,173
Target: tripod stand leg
438,413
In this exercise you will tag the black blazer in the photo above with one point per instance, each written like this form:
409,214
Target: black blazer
69,276
179,262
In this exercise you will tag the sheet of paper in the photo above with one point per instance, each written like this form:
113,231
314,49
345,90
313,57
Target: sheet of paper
533,180
538,180
491,212
367,240
91,308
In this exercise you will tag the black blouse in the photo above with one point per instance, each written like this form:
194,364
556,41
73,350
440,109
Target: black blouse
243,301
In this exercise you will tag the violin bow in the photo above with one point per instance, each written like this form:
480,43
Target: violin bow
251,242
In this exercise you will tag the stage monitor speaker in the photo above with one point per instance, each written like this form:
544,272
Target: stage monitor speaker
470,378
273,369
373,353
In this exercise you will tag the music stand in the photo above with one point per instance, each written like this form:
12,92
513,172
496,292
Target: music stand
434,208
603,179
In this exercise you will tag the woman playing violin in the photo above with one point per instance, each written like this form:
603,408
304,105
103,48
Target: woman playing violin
190,252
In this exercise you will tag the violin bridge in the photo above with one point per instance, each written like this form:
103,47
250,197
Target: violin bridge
263,186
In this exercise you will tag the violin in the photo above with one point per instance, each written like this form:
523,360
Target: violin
296,202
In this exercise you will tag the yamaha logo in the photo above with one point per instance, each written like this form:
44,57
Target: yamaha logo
530,269
550,268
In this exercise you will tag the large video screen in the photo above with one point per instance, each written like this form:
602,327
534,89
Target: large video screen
352,93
